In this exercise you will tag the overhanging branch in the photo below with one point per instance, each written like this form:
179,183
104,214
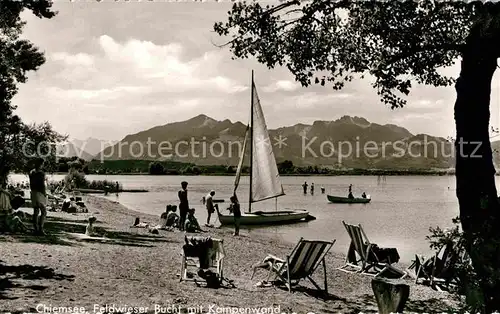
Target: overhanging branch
411,52
328,7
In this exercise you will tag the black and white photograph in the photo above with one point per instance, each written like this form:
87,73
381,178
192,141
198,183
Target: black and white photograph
249,157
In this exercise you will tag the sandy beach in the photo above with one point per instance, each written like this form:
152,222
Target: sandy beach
135,268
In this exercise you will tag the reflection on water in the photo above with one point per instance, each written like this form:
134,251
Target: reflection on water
400,213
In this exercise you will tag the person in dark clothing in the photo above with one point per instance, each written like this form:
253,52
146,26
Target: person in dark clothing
38,196
191,223
183,204
172,219
209,201
350,192
236,210
304,186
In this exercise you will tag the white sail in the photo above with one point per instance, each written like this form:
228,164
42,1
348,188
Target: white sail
240,164
266,181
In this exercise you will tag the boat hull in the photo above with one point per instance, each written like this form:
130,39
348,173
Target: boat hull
262,218
346,200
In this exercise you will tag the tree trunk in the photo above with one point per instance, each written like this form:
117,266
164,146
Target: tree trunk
475,172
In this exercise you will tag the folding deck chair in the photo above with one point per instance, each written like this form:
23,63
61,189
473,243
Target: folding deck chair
361,251
438,270
216,256
301,263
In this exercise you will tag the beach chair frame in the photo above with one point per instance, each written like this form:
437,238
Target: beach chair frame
216,264
360,245
434,281
290,271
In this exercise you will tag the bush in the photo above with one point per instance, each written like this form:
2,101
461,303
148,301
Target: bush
110,186
156,168
76,180
463,270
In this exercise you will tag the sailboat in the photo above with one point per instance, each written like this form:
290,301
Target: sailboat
265,181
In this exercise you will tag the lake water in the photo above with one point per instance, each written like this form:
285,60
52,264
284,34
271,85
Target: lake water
400,213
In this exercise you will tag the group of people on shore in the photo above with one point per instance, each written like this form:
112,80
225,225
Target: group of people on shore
38,199
187,220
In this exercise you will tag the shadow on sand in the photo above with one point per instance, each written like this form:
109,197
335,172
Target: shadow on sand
10,274
71,232
368,302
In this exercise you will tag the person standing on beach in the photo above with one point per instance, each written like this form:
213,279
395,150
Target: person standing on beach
183,204
235,209
209,201
117,190
38,196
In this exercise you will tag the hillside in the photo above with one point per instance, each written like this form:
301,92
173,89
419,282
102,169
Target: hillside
351,142
84,149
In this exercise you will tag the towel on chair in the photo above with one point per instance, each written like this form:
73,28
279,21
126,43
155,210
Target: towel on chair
384,255
199,247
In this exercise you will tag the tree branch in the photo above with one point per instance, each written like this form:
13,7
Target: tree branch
411,52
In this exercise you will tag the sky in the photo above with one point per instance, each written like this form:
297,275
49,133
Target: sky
117,68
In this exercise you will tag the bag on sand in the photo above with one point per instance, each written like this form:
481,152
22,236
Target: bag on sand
212,279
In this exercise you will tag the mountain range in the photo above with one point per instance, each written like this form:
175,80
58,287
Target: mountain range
84,149
348,142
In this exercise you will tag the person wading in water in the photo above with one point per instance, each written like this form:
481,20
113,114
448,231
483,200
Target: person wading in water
304,186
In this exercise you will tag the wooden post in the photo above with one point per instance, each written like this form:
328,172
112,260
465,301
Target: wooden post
391,296
324,275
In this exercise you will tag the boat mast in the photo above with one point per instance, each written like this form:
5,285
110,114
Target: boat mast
251,147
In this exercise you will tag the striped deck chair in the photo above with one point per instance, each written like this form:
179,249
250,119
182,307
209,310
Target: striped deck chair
361,257
301,263
216,258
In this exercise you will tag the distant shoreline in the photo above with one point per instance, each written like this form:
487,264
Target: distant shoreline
346,173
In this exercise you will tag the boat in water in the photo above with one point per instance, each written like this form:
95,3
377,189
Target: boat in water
265,181
347,200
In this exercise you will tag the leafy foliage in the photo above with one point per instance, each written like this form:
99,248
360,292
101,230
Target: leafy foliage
76,179
467,277
286,167
156,168
18,57
22,143
331,42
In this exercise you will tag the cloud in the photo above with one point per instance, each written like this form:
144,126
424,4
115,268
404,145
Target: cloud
308,100
90,94
163,67
281,85
140,82
427,104
79,59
